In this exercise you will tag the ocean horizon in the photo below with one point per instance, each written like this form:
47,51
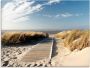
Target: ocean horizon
47,31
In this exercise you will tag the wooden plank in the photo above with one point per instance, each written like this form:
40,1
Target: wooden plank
40,51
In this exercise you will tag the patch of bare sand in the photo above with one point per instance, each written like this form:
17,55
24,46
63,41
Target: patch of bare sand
58,53
62,56
80,58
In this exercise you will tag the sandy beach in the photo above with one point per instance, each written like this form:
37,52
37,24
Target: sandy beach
45,33
10,55
61,56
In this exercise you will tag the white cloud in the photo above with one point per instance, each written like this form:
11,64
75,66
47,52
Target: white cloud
50,2
53,1
16,11
58,15
61,15
77,15
66,15
46,15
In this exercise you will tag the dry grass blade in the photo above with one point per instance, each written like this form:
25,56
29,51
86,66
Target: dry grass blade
75,39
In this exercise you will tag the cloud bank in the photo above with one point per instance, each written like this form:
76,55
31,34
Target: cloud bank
16,12
61,15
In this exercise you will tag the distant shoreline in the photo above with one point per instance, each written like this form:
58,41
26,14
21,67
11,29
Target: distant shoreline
47,31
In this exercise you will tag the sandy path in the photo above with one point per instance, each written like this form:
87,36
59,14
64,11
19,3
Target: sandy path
65,57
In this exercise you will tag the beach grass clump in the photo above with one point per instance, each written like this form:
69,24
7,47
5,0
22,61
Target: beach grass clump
22,37
75,39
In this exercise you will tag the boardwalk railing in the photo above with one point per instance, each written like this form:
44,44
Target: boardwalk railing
51,49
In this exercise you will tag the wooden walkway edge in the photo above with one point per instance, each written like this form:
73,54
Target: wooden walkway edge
41,51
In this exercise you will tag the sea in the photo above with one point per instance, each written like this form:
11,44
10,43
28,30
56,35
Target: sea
46,31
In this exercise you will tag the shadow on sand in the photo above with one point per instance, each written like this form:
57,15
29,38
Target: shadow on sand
29,43
54,50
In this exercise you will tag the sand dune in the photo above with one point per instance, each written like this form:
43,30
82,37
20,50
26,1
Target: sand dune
74,53
79,58
65,57
75,39
22,37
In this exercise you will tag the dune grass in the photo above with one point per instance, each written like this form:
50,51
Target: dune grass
22,37
75,39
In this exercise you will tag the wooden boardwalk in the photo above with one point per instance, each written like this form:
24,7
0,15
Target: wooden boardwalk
41,51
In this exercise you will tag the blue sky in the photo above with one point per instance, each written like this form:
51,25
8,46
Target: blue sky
45,15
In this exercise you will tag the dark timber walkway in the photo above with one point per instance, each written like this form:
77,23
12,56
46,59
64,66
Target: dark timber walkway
41,51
